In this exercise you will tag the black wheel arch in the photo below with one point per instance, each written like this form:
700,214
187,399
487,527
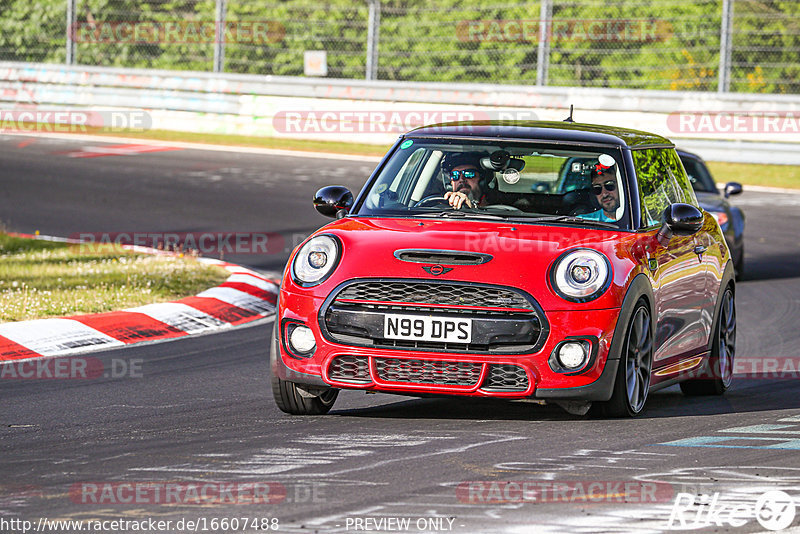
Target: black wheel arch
601,389
640,289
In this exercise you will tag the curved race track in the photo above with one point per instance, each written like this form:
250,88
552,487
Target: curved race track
200,409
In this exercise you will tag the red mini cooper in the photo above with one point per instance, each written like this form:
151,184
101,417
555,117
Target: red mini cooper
559,262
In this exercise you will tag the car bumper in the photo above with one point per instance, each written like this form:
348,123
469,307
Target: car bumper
409,371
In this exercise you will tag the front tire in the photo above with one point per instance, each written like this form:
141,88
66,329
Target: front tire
723,352
632,383
295,400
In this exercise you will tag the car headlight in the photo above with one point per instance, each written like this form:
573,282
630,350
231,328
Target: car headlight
316,260
580,275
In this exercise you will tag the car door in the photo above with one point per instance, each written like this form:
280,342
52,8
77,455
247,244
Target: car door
676,267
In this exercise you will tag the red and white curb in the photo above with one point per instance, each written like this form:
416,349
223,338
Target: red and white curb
244,297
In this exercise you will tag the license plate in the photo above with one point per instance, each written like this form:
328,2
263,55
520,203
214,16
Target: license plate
425,328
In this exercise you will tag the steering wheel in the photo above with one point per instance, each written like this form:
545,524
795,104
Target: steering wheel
432,200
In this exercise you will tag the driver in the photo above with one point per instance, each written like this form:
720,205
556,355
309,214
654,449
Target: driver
467,178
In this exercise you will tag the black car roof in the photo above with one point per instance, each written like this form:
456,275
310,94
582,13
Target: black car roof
683,153
544,130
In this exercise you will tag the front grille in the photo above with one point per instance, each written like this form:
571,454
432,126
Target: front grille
504,320
436,294
350,369
505,377
428,372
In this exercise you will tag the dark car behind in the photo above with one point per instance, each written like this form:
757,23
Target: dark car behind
730,218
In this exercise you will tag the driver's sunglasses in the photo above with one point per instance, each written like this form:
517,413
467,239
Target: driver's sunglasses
467,173
610,185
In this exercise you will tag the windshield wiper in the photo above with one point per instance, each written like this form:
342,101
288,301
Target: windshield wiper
460,214
571,218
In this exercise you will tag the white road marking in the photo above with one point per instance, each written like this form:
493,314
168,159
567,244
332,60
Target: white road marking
181,316
239,299
57,337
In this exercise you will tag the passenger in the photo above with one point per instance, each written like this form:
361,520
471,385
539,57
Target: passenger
605,190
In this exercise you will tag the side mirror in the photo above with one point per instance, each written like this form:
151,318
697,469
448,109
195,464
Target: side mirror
683,219
332,200
733,188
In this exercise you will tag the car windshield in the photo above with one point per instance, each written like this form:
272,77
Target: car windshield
575,185
699,175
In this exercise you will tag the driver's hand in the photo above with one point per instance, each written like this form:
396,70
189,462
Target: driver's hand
457,199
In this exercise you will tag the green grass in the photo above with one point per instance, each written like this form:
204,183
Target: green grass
787,176
41,279
333,147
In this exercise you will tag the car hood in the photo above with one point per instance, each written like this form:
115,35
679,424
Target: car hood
521,253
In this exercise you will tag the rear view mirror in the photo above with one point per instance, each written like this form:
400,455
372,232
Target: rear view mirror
732,188
683,219
333,201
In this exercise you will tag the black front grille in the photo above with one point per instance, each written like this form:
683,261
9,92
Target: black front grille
428,372
504,320
442,294
505,377
350,369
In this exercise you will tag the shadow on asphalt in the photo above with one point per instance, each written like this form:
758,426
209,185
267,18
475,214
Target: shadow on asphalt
746,396
772,266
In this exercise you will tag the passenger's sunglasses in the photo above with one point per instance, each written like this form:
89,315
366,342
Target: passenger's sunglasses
468,173
609,185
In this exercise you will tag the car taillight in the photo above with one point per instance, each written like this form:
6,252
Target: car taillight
721,217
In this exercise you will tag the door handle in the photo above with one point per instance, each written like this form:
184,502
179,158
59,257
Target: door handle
700,249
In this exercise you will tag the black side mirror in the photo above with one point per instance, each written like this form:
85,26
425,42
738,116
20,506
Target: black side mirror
683,219
333,201
733,188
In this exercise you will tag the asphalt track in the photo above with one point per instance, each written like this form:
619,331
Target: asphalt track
200,409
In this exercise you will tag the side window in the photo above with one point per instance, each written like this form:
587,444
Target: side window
658,185
684,184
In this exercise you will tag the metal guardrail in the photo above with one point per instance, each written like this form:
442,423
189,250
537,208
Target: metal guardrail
259,98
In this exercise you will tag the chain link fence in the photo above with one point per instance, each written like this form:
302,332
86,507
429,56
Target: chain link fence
703,45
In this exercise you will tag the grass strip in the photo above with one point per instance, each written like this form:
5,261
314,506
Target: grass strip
787,176
40,279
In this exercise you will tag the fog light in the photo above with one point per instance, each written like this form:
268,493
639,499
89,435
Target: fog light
301,338
572,355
